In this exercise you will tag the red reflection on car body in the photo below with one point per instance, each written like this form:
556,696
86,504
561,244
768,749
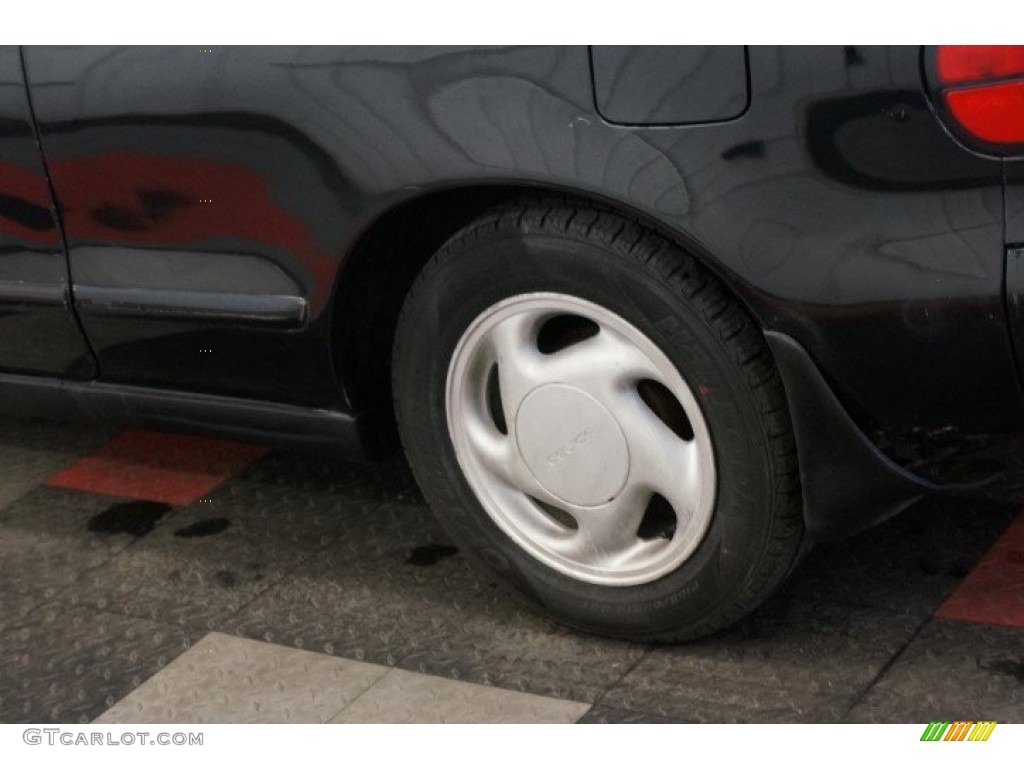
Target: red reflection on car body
159,200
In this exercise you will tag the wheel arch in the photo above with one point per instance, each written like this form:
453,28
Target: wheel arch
388,256
389,253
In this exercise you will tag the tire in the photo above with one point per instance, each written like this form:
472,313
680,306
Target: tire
554,362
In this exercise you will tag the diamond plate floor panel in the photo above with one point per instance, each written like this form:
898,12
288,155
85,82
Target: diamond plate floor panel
70,664
31,451
407,697
231,680
311,553
952,671
47,549
496,641
602,715
373,616
907,564
993,591
226,679
793,661
157,466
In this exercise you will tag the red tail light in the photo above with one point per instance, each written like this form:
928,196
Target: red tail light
983,89
993,113
964,63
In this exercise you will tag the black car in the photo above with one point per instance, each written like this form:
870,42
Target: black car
647,320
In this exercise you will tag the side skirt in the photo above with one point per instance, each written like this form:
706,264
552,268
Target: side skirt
354,437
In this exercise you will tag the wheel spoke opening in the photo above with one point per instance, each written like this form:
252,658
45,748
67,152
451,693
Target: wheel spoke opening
562,331
495,407
659,520
663,404
557,514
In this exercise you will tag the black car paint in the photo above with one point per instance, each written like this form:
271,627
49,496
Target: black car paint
38,331
834,204
1014,172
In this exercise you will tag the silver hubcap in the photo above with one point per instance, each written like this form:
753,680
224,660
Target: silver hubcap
580,439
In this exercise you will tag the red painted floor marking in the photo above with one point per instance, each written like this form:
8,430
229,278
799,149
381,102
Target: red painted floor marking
156,466
993,592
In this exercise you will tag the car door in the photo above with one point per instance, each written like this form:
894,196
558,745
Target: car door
202,226
38,331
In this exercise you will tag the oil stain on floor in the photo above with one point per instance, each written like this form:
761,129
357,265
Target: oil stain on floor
136,518
430,554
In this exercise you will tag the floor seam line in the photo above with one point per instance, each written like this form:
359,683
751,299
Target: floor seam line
363,692
886,667
600,697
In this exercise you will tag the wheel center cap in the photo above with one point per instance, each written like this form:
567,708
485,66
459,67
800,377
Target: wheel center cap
572,445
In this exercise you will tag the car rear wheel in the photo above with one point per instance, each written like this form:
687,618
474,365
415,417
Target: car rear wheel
589,412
